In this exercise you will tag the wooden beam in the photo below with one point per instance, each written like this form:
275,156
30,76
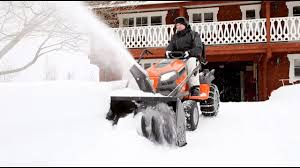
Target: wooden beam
172,5
219,50
232,58
159,53
268,29
285,47
235,49
181,11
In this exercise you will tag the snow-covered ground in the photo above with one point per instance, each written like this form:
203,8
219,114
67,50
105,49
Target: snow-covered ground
63,123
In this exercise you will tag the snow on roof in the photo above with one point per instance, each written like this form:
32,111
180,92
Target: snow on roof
132,3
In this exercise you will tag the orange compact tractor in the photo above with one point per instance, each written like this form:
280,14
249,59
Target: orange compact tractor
165,118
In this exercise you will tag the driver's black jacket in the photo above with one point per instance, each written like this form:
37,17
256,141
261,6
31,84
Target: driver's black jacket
184,41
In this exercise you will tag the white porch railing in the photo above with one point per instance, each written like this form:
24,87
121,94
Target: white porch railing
232,32
214,33
285,29
148,36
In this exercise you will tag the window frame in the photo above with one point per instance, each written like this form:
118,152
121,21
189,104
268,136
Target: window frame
197,14
156,24
141,19
290,5
163,14
250,11
201,11
298,67
255,7
293,11
292,58
128,21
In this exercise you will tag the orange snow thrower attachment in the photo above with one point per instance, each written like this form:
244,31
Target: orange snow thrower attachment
167,126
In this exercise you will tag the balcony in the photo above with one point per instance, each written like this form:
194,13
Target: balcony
282,29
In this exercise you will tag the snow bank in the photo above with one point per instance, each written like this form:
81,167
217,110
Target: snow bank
44,122
289,93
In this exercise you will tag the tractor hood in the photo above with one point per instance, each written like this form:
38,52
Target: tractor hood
165,66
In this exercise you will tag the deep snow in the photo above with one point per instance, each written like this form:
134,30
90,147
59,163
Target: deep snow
63,123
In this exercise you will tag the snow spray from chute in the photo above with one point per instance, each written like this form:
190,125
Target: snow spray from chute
106,49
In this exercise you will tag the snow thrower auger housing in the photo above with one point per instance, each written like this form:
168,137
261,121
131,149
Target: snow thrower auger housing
169,78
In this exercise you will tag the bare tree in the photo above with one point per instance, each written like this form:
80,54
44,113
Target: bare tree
23,19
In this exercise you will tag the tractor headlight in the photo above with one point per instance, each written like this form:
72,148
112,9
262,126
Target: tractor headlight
167,76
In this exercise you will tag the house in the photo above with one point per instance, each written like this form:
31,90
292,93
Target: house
253,45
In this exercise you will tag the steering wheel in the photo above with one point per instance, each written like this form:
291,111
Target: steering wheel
176,54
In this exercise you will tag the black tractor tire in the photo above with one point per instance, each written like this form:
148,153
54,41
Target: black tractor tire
210,107
191,114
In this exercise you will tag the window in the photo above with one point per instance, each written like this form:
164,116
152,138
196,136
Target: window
141,21
208,17
156,20
250,14
128,22
201,15
296,11
250,11
297,67
197,18
294,8
294,71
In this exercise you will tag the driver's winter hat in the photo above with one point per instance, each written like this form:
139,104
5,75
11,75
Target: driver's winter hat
181,20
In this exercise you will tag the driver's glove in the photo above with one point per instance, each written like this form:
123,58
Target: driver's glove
167,54
186,55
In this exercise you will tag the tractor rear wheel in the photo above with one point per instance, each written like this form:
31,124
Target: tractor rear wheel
210,107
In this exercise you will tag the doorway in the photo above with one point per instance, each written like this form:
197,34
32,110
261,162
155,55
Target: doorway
235,80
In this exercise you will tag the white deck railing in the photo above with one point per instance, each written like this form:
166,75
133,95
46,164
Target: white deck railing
285,29
232,32
214,33
148,36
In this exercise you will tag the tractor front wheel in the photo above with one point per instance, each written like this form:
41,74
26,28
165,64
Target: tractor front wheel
191,114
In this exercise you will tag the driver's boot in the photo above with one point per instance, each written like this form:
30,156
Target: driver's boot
195,91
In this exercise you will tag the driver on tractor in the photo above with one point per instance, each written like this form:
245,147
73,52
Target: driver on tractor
188,41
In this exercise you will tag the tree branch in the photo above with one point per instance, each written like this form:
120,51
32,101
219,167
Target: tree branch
38,23
35,21
37,55
12,43
49,51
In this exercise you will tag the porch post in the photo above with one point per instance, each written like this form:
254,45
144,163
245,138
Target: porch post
264,78
181,11
268,29
267,56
